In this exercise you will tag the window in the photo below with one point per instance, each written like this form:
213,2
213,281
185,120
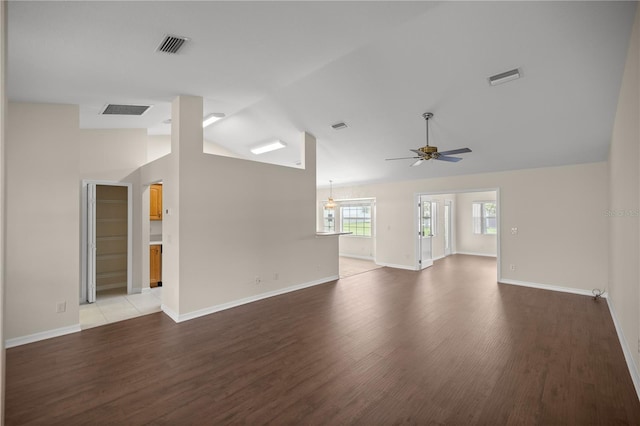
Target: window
329,220
484,217
356,218
429,218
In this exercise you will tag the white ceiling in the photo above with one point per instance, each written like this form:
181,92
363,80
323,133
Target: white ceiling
279,68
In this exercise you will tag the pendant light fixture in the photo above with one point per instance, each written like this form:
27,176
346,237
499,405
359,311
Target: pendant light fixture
330,203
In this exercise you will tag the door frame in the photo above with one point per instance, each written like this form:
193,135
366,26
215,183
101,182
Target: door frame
420,263
416,225
84,234
448,230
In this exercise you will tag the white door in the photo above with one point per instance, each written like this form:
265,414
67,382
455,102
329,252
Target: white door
447,228
425,232
91,242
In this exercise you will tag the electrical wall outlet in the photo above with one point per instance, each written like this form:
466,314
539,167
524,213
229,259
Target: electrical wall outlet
276,276
258,280
61,307
512,267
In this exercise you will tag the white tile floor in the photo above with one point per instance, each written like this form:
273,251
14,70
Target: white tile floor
350,266
116,305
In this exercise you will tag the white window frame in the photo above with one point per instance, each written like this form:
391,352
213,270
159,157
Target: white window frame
479,223
356,203
433,218
329,223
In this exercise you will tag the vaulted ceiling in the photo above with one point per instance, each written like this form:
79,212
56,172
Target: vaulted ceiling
279,68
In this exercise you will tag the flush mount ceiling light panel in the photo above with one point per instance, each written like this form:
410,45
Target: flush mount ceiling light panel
505,77
212,118
115,109
171,44
339,126
272,146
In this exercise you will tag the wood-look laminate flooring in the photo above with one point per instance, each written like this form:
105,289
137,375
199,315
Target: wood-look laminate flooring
447,345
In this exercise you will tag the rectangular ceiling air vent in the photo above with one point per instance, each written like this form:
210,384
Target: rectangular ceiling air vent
504,77
114,109
171,43
339,126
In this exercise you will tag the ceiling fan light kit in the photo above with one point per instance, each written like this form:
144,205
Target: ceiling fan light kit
429,152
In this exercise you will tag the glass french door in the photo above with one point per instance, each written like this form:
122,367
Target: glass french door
425,231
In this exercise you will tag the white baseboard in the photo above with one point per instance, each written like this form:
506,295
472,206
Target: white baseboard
392,265
571,290
217,308
353,256
173,315
43,335
628,354
470,253
439,257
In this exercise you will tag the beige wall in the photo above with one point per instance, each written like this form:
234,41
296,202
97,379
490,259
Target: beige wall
43,218
359,247
232,221
622,211
561,227
3,110
47,158
160,145
466,240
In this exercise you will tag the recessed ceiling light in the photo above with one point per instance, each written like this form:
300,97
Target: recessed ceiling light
504,77
212,118
268,147
339,126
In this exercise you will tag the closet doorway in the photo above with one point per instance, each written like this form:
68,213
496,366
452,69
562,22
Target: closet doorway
107,248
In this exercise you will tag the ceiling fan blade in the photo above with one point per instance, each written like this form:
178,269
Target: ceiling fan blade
445,158
455,151
401,158
417,163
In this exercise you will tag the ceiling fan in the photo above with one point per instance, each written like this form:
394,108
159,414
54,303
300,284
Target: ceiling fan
428,152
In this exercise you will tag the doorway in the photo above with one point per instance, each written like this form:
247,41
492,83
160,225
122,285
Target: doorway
447,227
156,215
427,220
457,222
107,253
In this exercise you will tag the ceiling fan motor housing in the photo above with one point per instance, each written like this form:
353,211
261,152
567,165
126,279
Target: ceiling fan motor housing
428,149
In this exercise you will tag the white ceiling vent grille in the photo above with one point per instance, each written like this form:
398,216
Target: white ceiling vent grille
114,109
171,44
339,126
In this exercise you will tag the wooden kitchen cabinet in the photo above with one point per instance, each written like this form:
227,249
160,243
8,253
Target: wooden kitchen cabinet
155,264
155,198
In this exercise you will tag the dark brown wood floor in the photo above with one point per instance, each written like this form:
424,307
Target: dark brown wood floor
444,346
